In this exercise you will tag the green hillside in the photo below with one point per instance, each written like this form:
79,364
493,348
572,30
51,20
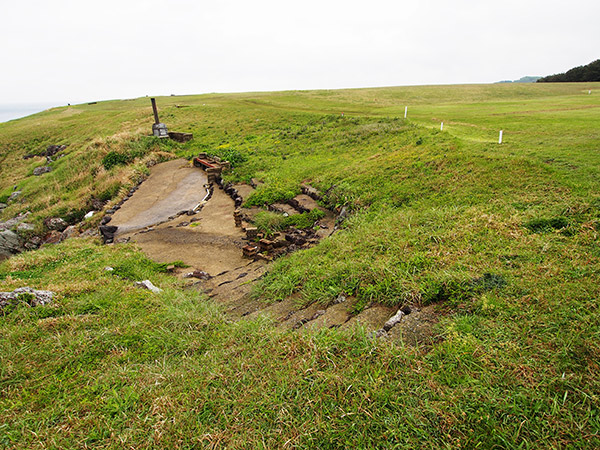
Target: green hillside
502,238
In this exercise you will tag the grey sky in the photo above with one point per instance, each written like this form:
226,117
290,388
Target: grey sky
75,51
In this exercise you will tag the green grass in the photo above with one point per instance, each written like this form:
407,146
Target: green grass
502,238
108,364
269,222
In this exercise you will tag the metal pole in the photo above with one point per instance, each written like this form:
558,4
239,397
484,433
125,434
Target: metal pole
153,100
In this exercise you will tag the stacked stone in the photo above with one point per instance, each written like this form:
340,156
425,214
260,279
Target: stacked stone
237,217
212,174
250,251
265,245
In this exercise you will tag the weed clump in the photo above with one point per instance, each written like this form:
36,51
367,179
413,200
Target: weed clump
232,155
110,192
138,269
269,222
113,159
543,225
72,215
273,193
455,290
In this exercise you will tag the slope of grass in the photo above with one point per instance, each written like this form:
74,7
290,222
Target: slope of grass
504,238
110,366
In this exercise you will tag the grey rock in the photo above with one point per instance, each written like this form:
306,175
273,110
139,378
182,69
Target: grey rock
9,244
52,237
200,274
342,216
41,170
34,297
24,227
89,233
55,223
14,196
392,321
381,333
68,233
108,269
33,243
108,232
48,153
147,284
10,223
340,299
311,192
3,205
317,314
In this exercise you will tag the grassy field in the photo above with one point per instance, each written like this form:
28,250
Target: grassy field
502,238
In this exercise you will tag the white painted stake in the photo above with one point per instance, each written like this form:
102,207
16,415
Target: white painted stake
500,138
589,92
405,111
442,127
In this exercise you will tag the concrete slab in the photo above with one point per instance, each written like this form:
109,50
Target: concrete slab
172,187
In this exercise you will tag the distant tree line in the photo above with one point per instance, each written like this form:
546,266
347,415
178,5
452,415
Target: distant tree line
591,72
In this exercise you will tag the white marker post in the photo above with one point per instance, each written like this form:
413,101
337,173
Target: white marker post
500,138
442,127
589,92
405,111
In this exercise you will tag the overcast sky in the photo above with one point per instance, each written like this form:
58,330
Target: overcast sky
78,50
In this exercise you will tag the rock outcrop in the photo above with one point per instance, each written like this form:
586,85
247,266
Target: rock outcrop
33,297
10,244
41,170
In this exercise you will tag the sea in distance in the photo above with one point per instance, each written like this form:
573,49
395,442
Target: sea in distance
18,110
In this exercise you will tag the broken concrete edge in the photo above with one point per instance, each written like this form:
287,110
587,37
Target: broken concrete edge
200,274
180,137
147,284
32,297
313,193
108,233
392,322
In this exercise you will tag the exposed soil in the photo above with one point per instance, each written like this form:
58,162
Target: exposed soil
209,241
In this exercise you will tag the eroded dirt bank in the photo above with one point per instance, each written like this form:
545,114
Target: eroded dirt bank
158,217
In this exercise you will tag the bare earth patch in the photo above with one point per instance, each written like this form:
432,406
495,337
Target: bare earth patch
208,241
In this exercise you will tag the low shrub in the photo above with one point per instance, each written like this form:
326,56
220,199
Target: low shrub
113,159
